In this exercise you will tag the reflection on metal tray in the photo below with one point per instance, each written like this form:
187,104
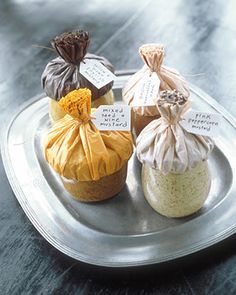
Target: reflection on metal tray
123,231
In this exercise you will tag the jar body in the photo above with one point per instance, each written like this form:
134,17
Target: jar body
99,190
139,122
176,194
140,118
56,112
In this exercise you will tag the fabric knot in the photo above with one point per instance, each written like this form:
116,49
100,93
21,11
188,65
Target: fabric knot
77,104
72,46
171,105
152,55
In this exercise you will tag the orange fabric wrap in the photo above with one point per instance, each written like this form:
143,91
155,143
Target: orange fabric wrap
77,150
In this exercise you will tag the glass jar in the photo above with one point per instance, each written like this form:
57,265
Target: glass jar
176,194
141,117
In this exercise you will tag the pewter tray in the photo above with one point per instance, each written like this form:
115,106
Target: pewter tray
123,231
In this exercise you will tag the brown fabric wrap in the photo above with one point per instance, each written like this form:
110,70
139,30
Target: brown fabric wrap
72,46
62,74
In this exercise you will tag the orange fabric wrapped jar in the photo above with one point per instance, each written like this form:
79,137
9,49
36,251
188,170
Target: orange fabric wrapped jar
92,163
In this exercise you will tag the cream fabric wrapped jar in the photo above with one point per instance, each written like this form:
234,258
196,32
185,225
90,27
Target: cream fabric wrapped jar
62,74
170,79
175,175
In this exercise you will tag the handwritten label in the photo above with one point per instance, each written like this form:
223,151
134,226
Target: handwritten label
147,91
112,117
96,73
201,123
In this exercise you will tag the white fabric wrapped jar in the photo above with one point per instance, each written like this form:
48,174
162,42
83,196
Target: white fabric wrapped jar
175,174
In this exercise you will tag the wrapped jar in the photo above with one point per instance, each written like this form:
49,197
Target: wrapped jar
175,175
62,74
92,164
168,79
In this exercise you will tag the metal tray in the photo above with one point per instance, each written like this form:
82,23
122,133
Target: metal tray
123,231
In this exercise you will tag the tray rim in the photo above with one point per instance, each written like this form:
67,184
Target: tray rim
19,194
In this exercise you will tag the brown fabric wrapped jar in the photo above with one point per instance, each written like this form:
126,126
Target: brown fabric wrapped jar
62,74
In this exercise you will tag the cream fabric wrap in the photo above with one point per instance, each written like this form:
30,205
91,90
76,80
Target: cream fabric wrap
170,79
166,146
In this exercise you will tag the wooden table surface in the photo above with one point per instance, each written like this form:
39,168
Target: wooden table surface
200,40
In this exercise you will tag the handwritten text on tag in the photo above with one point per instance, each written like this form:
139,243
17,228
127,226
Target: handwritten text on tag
207,124
147,92
96,73
113,117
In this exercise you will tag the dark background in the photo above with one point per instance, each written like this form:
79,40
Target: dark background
200,37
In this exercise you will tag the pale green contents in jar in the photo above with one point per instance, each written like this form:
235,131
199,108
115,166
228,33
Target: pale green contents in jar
176,194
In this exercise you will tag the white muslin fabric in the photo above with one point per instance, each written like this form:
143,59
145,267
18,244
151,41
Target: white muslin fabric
165,145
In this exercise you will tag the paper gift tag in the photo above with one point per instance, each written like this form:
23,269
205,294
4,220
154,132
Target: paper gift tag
96,73
112,117
207,124
147,91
